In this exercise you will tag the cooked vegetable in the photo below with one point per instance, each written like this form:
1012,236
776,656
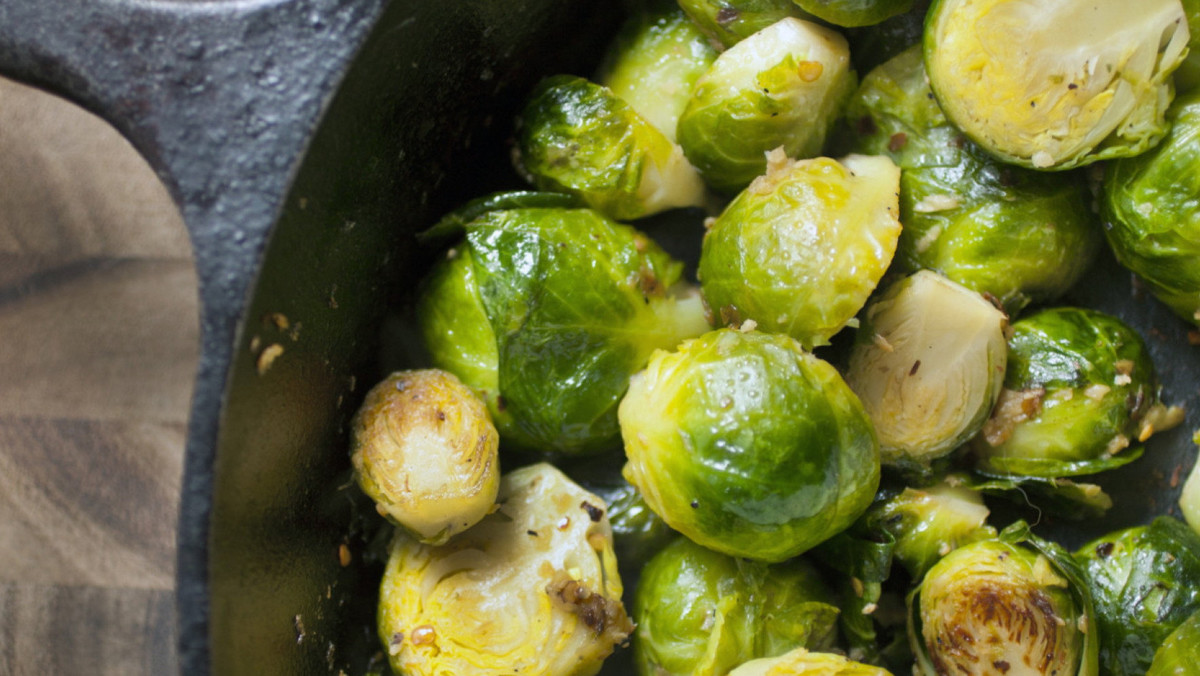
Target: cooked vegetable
748,444
928,364
1189,498
802,248
1079,391
1020,235
1146,582
1179,655
854,12
638,533
654,62
547,312
1153,214
871,46
929,523
701,613
532,588
801,661
728,22
1187,76
425,450
782,87
1054,85
578,137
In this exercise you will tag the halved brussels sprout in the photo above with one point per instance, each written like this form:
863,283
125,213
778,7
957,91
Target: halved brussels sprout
929,523
701,613
1145,581
1079,391
782,87
578,137
854,12
802,248
1179,655
533,588
1153,215
654,62
999,606
1054,85
728,22
425,450
547,312
928,364
1021,236
1189,497
801,661
748,444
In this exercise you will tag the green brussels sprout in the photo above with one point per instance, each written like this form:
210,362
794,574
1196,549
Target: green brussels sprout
425,450
578,137
702,613
1019,235
1012,603
928,364
801,661
532,588
1189,497
1056,85
782,87
929,523
801,250
1179,655
546,313
854,12
1152,215
1079,390
749,445
728,22
870,46
1145,581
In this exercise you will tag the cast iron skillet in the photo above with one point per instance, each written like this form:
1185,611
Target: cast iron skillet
304,142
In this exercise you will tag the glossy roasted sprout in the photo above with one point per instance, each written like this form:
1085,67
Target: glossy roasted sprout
1153,216
801,661
1019,235
728,22
702,613
425,450
533,588
547,312
1080,392
801,249
851,13
749,445
1056,85
929,523
578,137
1179,654
782,87
1145,581
928,364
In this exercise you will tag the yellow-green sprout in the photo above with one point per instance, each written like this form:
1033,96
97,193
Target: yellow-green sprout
801,662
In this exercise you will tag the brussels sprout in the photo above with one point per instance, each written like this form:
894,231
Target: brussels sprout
1080,388
701,613
1179,655
801,661
653,65
782,87
578,137
425,450
1187,76
1054,495
748,444
1145,581
728,22
993,606
802,248
928,365
854,12
533,588
1189,498
1153,216
1020,235
928,523
547,312
1056,85
872,45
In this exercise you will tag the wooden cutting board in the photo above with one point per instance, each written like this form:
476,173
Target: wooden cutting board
98,347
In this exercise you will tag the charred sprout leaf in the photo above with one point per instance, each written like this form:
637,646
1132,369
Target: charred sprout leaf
782,87
801,661
701,613
654,62
454,224
1189,498
1146,582
928,364
748,444
1179,655
543,562
578,137
425,450
1056,85
547,312
854,12
801,249
1019,235
1153,216
727,22
1079,390
929,523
